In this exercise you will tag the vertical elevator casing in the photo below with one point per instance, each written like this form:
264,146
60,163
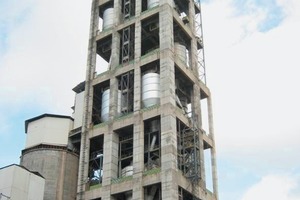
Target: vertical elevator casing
150,89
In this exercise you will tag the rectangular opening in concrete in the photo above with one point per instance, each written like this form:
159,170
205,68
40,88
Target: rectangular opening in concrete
152,192
184,91
100,111
208,166
106,13
103,56
127,44
150,34
152,143
150,84
188,151
128,8
96,161
126,89
182,44
123,196
182,7
144,5
125,155
185,195
204,116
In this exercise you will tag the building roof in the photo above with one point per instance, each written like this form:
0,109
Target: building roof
80,87
45,115
34,172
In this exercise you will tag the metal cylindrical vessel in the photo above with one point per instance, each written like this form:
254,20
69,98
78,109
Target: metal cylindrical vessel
180,52
127,171
150,89
152,3
105,106
108,18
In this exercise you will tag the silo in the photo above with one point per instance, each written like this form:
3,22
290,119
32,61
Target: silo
108,18
59,167
47,152
127,171
105,105
180,52
150,89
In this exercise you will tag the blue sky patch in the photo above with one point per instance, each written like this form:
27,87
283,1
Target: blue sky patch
11,17
274,13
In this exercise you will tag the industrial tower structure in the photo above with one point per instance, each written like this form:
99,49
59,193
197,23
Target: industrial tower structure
140,125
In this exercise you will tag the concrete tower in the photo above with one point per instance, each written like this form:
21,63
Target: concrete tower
144,126
48,152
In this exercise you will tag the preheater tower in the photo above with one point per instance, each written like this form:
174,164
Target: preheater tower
147,121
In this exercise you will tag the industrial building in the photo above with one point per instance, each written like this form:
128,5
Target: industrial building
17,182
143,127
49,152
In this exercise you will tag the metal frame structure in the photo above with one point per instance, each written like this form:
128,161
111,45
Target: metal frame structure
96,167
126,86
125,151
200,46
127,44
128,8
189,152
152,145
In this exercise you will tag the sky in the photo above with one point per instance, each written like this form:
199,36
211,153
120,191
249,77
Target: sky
252,60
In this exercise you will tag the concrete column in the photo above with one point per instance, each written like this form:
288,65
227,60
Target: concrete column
167,69
115,46
137,98
213,150
198,121
88,103
115,50
117,12
168,121
137,42
138,158
170,2
138,8
60,182
138,129
137,70
193,50
110,162
169,158
113,98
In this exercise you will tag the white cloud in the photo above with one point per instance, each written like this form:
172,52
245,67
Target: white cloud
43,56
275,187
254,82
46,55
